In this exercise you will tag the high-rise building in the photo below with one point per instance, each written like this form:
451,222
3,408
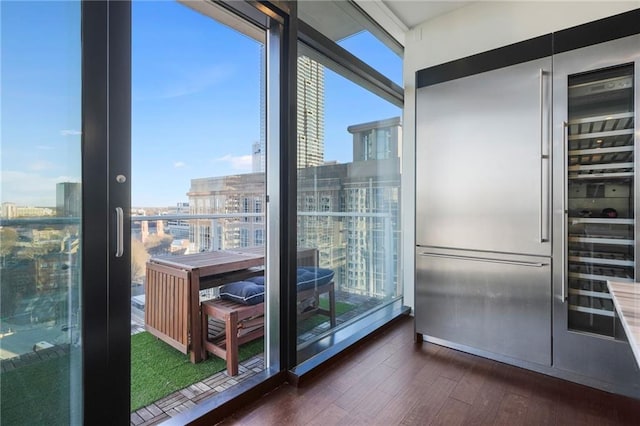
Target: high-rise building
310,113
9,210
377,140
361,200
68,199
310,118
258,157
239,195
366,194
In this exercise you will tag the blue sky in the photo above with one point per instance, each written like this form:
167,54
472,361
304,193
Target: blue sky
195,100
40,92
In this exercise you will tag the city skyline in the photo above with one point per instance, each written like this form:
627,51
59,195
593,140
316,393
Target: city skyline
195,103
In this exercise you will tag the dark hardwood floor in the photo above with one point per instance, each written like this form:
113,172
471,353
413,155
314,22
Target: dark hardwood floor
391,380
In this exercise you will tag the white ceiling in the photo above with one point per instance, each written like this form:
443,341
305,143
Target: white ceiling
334,19
337,19
414,12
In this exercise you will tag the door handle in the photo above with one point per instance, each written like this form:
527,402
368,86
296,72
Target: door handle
119,232
543,234
565,212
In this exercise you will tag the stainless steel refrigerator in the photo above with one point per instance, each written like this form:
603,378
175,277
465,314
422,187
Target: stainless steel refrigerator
525,206
483,192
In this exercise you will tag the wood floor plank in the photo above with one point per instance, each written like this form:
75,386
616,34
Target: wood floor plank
516,380
403,375
452,413
397,408
471,382
459,363
425,384
362,389
332,415
627,411
512,410
410,352
430,403
378,354
540,411
487,402
368,409
344,379
312,402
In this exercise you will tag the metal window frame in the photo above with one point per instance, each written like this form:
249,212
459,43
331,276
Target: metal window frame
322,49
281,184
377,30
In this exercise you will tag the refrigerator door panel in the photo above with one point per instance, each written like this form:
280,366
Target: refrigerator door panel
497,303
595,132
483,163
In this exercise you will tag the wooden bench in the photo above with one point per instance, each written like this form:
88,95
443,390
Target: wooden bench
315,293
244,323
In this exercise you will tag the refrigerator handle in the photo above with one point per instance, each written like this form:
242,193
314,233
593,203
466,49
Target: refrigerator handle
543,235
565,212
485,259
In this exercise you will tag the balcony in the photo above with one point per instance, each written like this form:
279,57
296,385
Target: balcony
229,232
40,317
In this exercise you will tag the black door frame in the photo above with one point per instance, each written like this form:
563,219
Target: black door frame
106,158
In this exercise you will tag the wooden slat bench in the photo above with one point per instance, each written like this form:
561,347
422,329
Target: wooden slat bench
243,323
315,293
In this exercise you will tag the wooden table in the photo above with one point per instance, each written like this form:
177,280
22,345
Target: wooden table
626,298
172,289
173,284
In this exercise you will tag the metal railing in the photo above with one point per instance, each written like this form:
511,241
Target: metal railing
377,222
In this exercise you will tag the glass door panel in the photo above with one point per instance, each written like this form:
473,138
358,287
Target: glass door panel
601,236
40,222
348,204
198,192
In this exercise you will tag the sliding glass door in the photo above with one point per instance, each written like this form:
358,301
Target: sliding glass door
198,194
64,127
222,163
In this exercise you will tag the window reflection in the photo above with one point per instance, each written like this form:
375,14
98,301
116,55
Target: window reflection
349,202
40,232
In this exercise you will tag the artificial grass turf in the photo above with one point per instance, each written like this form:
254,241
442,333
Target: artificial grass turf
158,370
37,393
309,323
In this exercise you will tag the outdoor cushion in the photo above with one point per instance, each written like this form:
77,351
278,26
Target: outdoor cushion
258,280
311,277
308,277
246,292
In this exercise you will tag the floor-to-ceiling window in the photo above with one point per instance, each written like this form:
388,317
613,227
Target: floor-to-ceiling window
40,228
198,187
349,166
203,81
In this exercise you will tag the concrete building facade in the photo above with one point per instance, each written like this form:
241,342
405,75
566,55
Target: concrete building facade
349,211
